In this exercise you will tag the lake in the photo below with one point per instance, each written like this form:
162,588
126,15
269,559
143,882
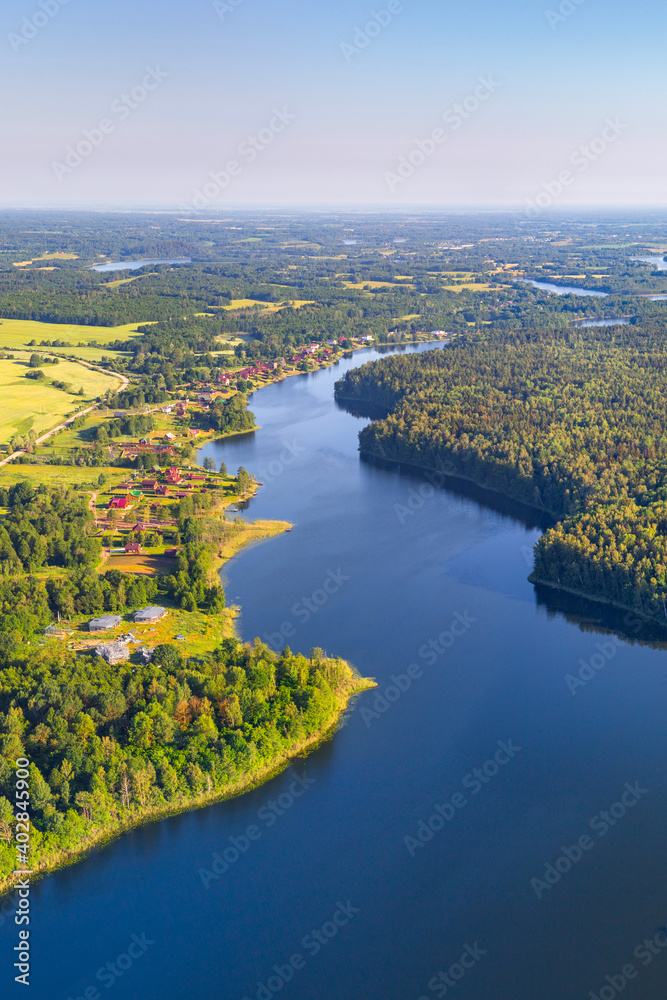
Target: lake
548,286
621,321
474,742
134,265
656,261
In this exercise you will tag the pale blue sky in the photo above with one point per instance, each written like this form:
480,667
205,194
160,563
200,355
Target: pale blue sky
355,113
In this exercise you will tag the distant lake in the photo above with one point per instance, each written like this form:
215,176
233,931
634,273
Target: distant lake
547,286
134,265
657,298
601,322
350,243
657,260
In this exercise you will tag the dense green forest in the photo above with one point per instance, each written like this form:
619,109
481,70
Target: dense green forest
574,423
229,416
111,746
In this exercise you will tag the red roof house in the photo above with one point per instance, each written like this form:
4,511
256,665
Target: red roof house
118,503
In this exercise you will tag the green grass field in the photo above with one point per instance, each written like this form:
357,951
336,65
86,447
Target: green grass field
58,475
16,334
27,405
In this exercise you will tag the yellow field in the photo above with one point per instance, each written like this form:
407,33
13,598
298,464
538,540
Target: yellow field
268,306
473,286
27,405
16,334
58,255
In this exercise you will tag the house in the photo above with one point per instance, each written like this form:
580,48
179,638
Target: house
113,652
118,503
149,615
149,484
104,623
171,553
181,409
173,476
54,630
162,491
132,549
169,436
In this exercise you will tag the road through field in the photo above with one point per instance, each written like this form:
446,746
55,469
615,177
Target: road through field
66,423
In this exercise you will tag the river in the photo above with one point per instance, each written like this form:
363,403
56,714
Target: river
427,591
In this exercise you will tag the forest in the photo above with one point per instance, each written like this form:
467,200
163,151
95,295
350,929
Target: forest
572,422
112,746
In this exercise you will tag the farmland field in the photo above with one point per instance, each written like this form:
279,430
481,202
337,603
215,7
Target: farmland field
268,306
27,405
58,475
16,334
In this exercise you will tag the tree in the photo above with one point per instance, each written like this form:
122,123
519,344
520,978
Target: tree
242,481
6,819
223,469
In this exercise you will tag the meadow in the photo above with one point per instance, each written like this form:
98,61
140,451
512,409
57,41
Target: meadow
27,405
17,334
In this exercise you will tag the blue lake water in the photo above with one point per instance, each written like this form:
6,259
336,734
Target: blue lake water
601,322
548,286
134,265
428,593
655,260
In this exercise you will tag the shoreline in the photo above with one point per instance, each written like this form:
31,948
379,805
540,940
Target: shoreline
460,477
532,578
595,599
240,786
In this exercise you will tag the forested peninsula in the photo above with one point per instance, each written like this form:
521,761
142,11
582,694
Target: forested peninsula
572,422
115,745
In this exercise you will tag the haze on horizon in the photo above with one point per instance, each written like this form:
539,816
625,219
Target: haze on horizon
394,103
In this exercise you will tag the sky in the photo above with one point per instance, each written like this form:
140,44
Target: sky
202,105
